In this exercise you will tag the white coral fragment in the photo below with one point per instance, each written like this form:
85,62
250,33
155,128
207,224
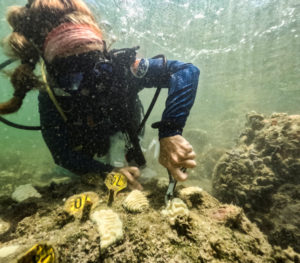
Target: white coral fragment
110,227
136,201
175,208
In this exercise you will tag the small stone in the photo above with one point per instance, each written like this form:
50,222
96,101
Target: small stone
4,226
62,180
24,192
248,206
8,250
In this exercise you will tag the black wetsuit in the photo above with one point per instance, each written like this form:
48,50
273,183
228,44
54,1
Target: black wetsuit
74,144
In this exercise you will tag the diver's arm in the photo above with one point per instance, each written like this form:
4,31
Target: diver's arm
181,79
55,134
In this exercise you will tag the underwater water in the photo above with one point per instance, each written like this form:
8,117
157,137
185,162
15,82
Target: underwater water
248,53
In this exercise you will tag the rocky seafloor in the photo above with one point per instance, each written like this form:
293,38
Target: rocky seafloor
197,228
262,175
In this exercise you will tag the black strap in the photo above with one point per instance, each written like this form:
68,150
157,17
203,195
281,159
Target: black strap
123,57
6,63
166,125
19,126
143,122
136,153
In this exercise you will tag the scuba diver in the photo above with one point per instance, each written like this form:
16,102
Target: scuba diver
90,92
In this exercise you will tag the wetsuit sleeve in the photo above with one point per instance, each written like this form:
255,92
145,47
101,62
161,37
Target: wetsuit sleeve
181,79
55,134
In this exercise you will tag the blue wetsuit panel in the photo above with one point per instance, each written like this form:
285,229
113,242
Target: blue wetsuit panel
182,80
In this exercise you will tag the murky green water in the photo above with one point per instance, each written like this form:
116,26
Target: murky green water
248,53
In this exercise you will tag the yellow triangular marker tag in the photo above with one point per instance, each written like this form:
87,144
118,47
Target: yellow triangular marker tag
39,253
76,203
115,182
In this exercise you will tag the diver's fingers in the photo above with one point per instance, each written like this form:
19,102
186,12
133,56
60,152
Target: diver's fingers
187,148
183,155
178,161
135,172
191,155
131,174
178,174
133,183
187,164
135,186
128,175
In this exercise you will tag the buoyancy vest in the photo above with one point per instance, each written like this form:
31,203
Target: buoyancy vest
95,92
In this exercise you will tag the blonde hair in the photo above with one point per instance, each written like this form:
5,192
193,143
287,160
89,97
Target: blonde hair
31,25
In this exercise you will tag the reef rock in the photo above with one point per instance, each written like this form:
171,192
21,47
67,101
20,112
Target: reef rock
136,201
192,196
262,175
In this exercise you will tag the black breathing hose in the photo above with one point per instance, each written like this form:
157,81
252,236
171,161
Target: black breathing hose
19,126
6,63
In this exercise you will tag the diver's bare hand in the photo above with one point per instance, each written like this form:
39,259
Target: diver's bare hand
131,173
176,153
